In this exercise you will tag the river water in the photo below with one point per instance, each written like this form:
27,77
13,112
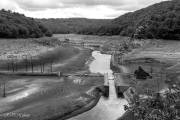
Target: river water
107,108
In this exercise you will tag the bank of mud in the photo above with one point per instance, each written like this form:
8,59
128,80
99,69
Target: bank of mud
94,93
53,98
57,97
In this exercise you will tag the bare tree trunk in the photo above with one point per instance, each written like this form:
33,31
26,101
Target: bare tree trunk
32,67
41,68
26,64
12,65
51,66
4,89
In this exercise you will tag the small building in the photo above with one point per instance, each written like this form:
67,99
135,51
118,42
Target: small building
141,74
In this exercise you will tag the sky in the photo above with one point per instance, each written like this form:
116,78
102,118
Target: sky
96,9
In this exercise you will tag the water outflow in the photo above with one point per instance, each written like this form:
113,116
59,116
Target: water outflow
106,109
112,91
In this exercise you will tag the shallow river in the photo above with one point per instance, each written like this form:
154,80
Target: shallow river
107,108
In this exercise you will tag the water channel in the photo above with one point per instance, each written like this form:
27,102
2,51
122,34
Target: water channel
107,108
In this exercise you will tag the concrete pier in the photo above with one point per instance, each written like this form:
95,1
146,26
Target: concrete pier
120,85
106,85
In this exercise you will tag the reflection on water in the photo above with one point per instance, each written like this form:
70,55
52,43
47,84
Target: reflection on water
101,64
106,109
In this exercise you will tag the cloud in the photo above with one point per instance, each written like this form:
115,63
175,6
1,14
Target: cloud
36,5
83,12
94,2
8,4
75,8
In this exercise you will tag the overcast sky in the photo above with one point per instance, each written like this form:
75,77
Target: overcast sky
75,8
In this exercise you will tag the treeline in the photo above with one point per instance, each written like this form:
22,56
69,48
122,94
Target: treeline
105,29
72,25
15,25
161,21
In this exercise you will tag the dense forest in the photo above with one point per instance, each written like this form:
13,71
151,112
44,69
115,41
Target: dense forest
15,25
161,21
72,25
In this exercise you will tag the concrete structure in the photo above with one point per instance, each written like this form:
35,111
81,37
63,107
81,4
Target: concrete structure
106,85
120,85
58,74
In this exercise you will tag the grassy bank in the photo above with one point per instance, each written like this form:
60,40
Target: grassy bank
56,55
32,46
159,58
38,53
44,97
43,53
54,96
81,108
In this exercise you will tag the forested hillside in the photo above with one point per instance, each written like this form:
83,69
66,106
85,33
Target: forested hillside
161,21
15,25
72,25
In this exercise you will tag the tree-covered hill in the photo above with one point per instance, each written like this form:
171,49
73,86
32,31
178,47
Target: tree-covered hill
15,25
161,20
72,25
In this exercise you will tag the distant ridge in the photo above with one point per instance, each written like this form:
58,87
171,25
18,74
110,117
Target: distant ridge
72,25
161,21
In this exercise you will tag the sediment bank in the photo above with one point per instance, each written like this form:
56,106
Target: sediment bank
92,103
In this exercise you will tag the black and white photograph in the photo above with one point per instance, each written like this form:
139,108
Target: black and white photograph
89,59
